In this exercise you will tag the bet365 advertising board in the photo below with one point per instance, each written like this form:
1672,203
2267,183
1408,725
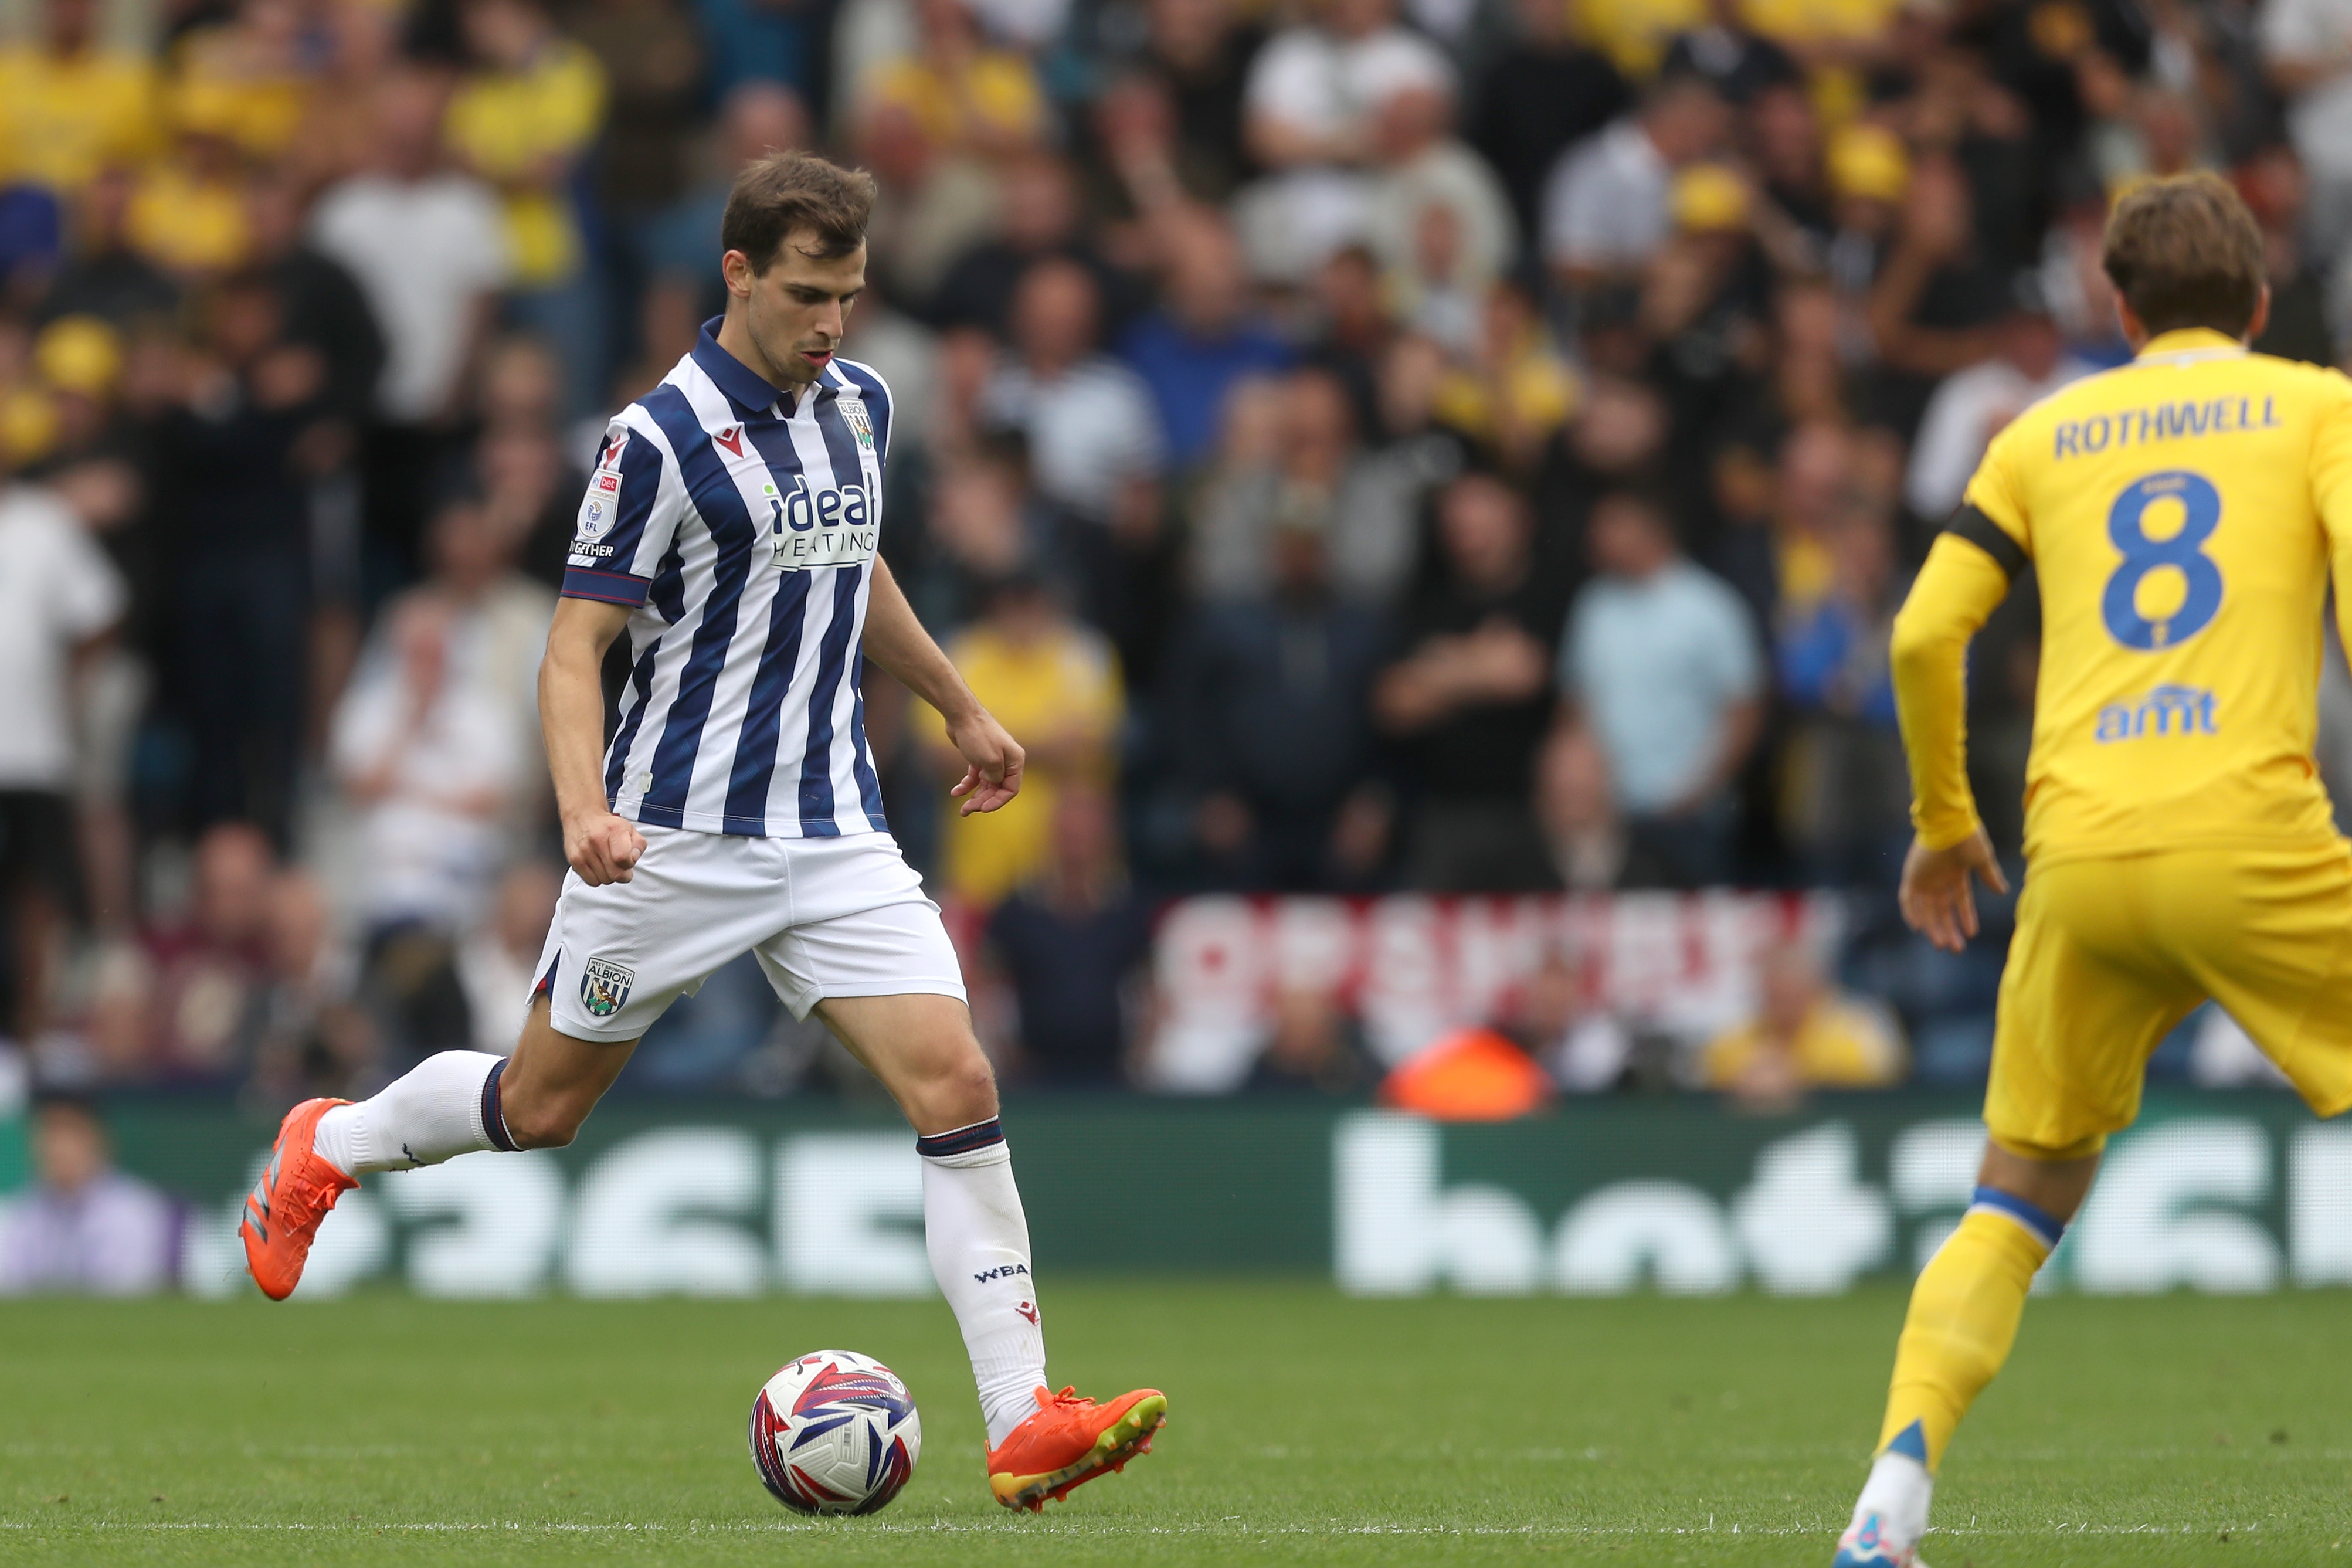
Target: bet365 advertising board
2239,1191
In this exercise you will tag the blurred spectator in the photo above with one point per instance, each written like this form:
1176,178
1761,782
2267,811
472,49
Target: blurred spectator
935,200
524,120
1292,462
85,1229
233,468
1434,212
1352,331
652,59
1932,297
966,94
1468,699
1636,34
1313,1047
530,488
498,962
429,248
1267,720
323,304
1546,93
187,210
205,980
1605,209
1660,659
1805,1036
1092,433
32,241
2303,308
2029,362
1040,220
1591,852
309,1040
1055,685
248,78
783,44
1729,53
2309,46
1309,112
1314,87
69,106
104,276
1205,335
58,598
1555,1017
1846,792
1509,390
437,736
1200,53
1072,943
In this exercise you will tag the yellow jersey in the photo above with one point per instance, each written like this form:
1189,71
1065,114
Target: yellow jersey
2181,514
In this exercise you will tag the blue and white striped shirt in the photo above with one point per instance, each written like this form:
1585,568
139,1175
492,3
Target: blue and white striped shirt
739,524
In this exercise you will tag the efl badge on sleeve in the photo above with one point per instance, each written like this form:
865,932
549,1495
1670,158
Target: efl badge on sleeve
853,414
604,986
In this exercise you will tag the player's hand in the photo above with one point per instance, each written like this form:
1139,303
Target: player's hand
1938,899
603,848
992,762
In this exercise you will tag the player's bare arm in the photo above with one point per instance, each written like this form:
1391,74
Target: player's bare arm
1957,588
897,641
601,846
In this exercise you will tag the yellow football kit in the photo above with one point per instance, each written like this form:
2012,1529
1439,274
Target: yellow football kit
2182,515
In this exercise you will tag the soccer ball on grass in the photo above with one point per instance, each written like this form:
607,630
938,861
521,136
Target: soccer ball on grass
835,1432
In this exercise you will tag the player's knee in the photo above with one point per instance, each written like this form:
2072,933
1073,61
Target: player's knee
960,1092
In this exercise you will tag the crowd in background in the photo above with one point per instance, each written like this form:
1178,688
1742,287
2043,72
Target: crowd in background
1450,445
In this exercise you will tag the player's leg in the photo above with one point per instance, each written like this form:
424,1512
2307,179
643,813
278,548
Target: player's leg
2084,999
876,966
616,956
1041,1445
2269,934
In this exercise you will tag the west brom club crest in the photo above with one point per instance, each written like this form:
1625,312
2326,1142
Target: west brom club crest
604,986
853,414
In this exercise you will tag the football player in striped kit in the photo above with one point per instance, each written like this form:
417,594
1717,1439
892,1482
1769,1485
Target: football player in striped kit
730,530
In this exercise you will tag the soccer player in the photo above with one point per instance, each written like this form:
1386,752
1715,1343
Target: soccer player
729,528
2181,514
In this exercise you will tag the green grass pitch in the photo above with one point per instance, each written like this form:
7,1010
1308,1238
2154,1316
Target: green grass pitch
1305,1428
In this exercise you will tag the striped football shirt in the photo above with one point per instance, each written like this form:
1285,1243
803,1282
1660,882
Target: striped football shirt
739,523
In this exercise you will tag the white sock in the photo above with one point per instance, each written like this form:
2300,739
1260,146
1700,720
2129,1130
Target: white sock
444,1106
979,1243
1898,1492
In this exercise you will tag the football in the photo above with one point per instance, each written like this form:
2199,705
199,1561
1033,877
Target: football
835,1432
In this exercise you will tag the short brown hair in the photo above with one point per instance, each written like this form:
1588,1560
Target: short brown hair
785,194
2186,252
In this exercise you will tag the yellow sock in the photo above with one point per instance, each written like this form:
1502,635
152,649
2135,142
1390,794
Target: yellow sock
1963,1319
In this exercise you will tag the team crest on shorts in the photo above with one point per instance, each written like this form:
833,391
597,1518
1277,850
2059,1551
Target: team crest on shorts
604,986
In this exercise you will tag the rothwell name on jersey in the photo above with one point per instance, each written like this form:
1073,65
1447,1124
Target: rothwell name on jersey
740,526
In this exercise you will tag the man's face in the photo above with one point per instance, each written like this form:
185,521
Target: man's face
797,309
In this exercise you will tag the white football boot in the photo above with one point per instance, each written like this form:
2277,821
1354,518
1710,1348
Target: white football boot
1891,1515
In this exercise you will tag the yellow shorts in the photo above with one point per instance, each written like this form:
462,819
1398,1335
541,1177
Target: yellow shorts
2111,953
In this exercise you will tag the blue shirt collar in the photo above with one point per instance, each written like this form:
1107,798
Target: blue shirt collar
731,375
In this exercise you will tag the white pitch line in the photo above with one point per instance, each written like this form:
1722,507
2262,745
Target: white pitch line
949,1527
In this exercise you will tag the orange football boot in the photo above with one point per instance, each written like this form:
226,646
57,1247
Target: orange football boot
283,1211
1070,1441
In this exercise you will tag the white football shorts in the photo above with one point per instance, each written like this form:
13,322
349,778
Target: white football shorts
828,916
